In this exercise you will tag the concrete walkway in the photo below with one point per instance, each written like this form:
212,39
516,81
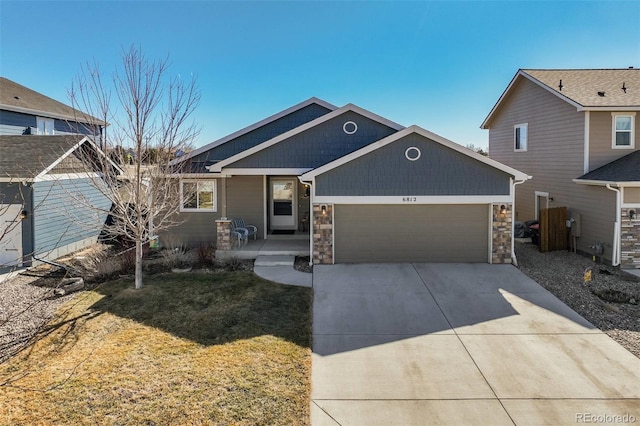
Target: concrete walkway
459,344
279,269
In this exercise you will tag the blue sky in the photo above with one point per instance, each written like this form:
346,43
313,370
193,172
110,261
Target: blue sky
440,65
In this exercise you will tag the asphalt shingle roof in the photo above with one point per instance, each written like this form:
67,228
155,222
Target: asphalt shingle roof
582,86
24,157
15,97
625,169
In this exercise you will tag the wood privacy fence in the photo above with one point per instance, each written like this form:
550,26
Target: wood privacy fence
553,229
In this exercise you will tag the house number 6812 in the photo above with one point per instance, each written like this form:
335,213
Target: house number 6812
409,199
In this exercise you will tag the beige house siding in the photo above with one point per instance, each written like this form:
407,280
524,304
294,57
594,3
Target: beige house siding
555,145
196,228
245,199
632,195
554,157
600,140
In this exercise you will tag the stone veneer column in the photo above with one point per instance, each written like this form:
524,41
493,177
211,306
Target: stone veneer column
322,235
630,239
501,234
223,232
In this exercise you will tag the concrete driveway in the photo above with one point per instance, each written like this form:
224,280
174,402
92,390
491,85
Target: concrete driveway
415,344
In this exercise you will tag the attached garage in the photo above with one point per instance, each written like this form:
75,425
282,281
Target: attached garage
417,233
412,197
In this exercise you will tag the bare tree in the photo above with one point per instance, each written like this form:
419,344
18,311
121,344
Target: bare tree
148,112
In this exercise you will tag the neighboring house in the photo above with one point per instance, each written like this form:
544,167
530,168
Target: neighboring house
372,190
26,112
575,132
43,185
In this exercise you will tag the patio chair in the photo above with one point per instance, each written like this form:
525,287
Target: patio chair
241,235
251,230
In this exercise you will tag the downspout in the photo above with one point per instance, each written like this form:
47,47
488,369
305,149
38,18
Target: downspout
514,260
615,252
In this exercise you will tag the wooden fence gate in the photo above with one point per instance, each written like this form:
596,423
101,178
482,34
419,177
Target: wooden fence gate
553,229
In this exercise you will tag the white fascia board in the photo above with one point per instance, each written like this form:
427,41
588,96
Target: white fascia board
85,139
631,184
518,175
253,127
67,176
522,73
194,175
217,167
265,172
414,199
15,180
611,108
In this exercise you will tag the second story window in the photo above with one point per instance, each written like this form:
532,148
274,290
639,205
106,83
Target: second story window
520,137
623,130
45,126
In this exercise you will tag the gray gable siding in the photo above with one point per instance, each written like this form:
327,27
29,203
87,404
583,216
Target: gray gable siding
59,219
318,145
439,171
15,123
257,136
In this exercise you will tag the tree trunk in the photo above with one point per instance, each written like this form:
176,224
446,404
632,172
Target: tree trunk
138,264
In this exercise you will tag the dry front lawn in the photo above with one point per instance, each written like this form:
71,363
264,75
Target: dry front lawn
223,348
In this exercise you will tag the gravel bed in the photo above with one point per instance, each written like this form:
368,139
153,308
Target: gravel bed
27,304
616,311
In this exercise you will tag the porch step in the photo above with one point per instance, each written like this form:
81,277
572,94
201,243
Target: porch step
274,260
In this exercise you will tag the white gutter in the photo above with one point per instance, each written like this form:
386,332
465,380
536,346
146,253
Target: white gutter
615,252
514,260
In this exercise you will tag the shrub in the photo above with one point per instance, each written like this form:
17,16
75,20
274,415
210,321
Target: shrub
205,254
176,257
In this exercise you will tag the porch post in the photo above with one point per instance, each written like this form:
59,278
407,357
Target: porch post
322,228
501,233
223,234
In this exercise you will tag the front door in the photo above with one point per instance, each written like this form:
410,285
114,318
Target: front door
10,234
282,209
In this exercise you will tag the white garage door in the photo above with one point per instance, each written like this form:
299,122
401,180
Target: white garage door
417,233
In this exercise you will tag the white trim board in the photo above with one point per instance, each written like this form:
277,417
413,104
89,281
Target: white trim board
254,126
217,167
401,134
413,200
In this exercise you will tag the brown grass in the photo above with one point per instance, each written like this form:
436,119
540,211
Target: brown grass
224,348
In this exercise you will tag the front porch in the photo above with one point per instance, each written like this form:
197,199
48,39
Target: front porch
274,245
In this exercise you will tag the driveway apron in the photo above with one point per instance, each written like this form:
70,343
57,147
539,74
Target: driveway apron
415,344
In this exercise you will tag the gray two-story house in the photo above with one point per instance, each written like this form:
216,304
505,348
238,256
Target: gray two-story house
574,131
41,177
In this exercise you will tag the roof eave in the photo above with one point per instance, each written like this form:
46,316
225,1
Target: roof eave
254,126
607,182
523,73
217,167
518,175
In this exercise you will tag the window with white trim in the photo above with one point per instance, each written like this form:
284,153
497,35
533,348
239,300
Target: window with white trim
44,125
623,130
198,196
520,137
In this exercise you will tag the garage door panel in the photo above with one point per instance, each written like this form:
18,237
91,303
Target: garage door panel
418,233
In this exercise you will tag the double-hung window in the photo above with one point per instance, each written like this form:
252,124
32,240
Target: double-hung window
198,196
520,137
45,125
623,130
